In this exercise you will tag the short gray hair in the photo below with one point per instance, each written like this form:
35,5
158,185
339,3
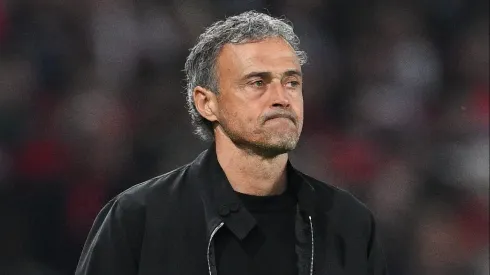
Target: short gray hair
200,66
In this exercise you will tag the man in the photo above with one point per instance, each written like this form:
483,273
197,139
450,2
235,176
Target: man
240,207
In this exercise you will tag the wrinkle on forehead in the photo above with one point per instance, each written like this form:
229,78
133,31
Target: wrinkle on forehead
274,55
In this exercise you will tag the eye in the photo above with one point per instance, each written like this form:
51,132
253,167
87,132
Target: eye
292,84
258,83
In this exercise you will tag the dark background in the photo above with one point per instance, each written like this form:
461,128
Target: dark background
396,105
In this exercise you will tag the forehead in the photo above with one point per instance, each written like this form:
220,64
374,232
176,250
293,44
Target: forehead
272,54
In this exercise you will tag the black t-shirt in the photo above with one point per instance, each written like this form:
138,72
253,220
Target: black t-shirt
269,248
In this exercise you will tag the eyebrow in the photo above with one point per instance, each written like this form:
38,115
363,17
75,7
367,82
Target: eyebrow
269,74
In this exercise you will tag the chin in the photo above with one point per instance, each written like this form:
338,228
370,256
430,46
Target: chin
272,148
265,144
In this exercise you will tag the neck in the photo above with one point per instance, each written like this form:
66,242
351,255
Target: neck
250,173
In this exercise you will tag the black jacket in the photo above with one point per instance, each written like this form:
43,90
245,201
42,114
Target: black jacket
166,226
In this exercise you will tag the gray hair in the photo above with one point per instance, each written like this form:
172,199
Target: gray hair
200,66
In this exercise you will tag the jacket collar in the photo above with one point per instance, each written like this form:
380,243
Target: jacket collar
221,204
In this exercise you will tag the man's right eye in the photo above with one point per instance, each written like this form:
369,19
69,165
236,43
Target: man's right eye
258,83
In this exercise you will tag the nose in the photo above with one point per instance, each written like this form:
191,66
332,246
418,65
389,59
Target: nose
279,95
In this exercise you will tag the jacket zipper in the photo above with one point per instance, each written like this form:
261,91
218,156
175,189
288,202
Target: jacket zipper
209,245
312,246
221,225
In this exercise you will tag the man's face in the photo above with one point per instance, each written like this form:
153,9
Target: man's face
260,101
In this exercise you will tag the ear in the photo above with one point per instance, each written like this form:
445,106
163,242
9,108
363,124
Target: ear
206,103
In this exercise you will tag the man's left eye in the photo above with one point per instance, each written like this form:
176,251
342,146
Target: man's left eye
292,84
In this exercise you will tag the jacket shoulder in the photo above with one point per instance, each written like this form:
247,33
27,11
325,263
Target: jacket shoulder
114,243
338,200
160,186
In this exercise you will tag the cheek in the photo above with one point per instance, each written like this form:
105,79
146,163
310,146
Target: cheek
237,117
241,113
246,114
298,106
251,119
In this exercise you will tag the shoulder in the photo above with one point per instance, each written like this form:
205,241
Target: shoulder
339,202
146,193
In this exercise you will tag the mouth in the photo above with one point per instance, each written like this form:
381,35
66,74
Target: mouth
281,116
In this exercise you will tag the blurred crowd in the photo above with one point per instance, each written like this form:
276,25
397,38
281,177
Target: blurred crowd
396,111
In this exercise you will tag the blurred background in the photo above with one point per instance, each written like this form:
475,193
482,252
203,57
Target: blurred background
396,105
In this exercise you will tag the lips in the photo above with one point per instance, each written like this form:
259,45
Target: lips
281,115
